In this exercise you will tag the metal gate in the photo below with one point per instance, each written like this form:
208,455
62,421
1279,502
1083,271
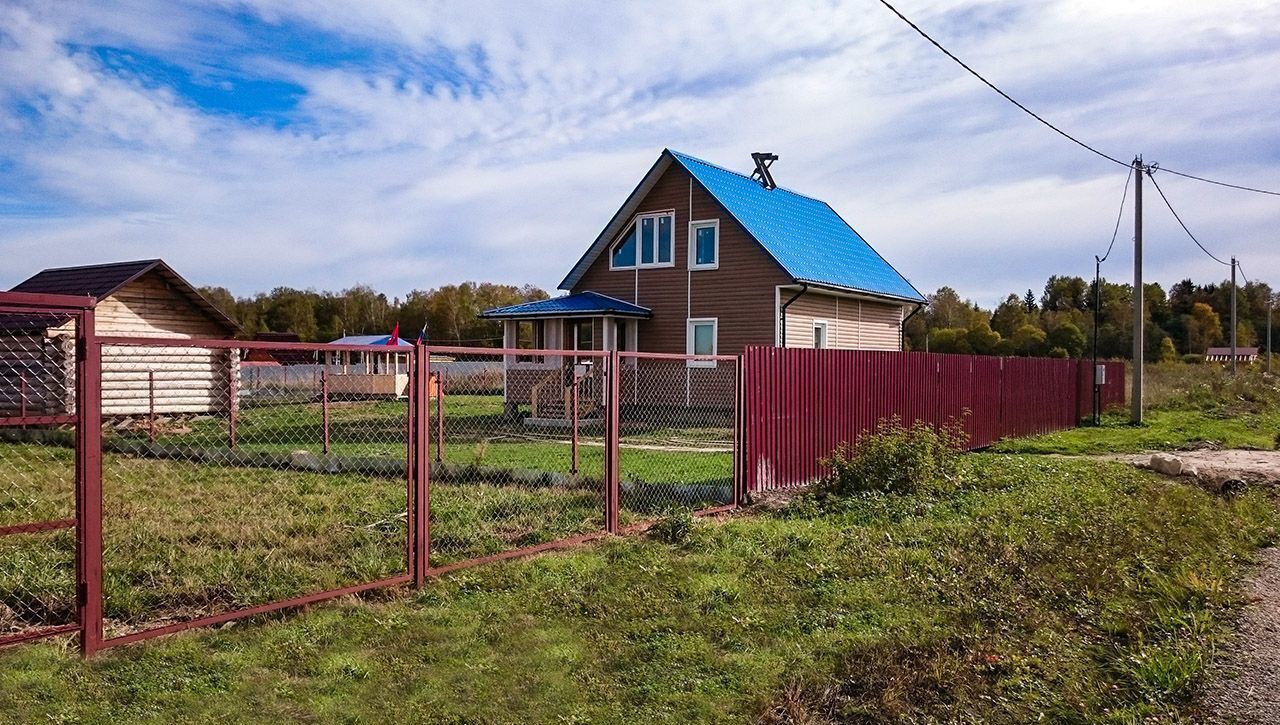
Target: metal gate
49,555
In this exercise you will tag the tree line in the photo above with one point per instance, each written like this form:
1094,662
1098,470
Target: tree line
1183,322
450,313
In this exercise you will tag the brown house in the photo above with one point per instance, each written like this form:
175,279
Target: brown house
143,298
703,260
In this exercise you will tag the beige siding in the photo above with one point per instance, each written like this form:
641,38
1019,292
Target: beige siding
187,380
852,324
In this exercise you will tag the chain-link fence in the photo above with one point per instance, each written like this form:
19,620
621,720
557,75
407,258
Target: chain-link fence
516,448
37,473
231,483
677,432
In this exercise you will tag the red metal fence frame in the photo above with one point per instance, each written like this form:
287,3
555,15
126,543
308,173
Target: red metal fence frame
791,408
87,471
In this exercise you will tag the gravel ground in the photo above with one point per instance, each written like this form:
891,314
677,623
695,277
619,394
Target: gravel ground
1246,685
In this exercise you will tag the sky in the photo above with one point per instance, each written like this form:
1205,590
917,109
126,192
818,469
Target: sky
406,144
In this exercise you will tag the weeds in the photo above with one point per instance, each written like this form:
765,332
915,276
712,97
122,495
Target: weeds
895,459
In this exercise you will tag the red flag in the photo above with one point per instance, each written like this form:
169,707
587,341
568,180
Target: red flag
395,336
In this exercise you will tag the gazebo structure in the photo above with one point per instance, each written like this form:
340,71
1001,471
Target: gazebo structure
358,374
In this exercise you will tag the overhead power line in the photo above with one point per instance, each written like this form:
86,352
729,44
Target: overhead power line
1042,120
1184,226
1119,216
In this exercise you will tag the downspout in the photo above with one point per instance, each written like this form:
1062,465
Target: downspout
804,287
902,329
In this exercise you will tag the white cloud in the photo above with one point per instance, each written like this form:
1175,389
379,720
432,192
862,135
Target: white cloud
402,181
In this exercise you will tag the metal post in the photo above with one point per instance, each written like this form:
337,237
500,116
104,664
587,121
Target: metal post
89,485
422,473
1233,315
1271,302
232,399
1135,413
22,397
151,406
324,407
439,417
612,444
573,395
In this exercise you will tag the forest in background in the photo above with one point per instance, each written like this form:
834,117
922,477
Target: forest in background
1183,321
451,312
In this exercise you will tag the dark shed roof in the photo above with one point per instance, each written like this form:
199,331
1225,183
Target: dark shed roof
102,280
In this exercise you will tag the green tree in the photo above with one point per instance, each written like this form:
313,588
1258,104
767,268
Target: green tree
1009,316
1067,337
1029,340
1168,353
1204,328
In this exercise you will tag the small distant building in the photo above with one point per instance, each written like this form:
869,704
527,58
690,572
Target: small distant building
362,374
143,298
1223,354
282,356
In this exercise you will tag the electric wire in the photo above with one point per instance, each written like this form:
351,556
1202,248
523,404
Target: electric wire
1183,224
1120,216
1041,119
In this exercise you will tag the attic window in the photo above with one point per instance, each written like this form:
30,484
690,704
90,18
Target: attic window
647,242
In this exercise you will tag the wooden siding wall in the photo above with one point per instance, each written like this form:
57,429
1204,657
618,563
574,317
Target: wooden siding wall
740,294
852,324
187,380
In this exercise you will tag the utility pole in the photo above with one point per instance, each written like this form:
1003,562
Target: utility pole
1097,305
1271,302
1135,414
1233,315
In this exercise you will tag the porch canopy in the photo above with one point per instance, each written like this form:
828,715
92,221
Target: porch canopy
579,321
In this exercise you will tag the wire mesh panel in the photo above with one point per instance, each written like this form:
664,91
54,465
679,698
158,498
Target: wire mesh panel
230,484
676,433
516,449
37,473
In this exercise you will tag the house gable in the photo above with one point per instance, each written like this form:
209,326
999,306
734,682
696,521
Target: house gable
739,293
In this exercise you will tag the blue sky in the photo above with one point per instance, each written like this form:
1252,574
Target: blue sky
407,144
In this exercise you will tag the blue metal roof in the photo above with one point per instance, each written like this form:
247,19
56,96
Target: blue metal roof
579,303
370,340
804,235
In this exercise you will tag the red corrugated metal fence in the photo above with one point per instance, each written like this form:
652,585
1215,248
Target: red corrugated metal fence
799,404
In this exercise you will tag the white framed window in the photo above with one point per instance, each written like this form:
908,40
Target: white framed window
820,340
649,241
701,339
704,244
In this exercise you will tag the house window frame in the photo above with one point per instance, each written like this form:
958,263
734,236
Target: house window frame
694,226
690,340
825,325
635,223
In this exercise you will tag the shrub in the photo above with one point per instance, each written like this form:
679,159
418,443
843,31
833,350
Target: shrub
895,459
1193,359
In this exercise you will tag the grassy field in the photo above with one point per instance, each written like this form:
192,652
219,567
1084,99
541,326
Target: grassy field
1040,588
1187,405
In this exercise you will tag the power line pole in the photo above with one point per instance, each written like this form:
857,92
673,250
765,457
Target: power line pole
1097,305
1135,413
1233,315
1271,302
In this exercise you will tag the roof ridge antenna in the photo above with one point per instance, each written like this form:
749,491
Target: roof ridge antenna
763,161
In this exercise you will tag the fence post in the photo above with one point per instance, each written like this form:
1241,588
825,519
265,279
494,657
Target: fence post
739,477
439,417
88,485
612,444
422,474
324,407
573,396
22,398
233,393
151,406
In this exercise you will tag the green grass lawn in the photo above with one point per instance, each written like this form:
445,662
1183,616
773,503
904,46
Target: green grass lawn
1043,588
1161,430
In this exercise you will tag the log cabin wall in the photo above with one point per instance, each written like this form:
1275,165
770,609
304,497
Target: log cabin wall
187,380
